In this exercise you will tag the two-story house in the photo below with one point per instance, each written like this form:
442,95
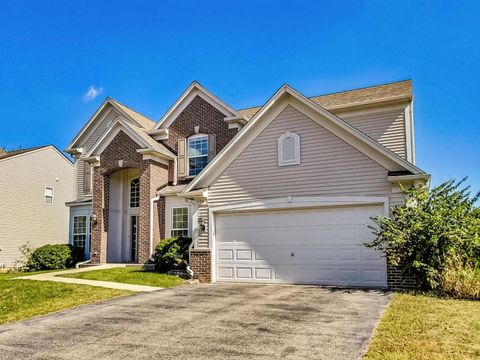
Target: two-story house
276,193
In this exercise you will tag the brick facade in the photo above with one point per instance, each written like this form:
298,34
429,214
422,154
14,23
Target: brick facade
200,263
207,117
121,154
397,280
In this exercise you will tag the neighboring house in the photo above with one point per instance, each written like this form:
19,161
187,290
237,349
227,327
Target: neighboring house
277,193
34,185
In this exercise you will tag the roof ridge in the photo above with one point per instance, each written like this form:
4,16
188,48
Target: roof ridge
339,92
131,109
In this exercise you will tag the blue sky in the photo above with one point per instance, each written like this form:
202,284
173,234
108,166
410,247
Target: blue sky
145,53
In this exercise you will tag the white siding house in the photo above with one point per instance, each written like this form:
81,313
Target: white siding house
35,184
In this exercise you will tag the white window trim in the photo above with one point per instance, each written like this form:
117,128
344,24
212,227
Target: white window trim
130,192
187,157
171,220
87,230
45,195
296,159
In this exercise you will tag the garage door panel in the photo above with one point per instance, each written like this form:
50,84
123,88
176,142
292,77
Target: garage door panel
320,246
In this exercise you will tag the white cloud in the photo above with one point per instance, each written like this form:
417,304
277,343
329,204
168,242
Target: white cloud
92,93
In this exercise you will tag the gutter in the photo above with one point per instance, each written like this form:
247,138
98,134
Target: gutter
152,201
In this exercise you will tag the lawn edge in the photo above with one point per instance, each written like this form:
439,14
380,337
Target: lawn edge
56,312
365,348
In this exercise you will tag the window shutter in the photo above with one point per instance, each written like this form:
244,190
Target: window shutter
212,146
87,180
181,158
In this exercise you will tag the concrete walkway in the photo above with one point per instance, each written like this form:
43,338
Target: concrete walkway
56,277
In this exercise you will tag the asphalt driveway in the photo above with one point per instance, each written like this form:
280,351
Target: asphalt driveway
205,321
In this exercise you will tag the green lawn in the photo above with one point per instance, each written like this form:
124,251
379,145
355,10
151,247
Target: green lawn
424,327
22,299
129,275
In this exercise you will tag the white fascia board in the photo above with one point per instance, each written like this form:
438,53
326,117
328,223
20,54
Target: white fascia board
188,95
403,178
302,202
86,127
110,134
275,105
196,194
235,122
152,154
159,134
93,160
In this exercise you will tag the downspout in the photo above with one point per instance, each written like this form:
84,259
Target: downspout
193,244
152,201
77,265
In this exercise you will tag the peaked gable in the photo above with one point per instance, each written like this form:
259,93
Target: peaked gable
107,112
280,100
193,91
329,165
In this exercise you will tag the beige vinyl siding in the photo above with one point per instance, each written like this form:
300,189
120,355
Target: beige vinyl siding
87,145
329,167
24,216
202,240
385,125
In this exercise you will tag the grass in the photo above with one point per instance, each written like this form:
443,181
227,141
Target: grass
129,275
426,327
23,299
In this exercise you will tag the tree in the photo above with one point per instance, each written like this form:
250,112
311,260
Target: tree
430,231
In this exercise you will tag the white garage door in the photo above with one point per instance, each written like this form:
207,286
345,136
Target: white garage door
299,247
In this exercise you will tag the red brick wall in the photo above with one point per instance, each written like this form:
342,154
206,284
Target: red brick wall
199,113
152,175
200,263
397,280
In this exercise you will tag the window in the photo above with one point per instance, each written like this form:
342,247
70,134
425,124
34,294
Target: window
197,154
87,181
289,149
179,222
135,193
80,232
48,195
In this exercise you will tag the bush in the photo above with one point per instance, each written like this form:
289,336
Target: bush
53,257
461,281
172,254
431,230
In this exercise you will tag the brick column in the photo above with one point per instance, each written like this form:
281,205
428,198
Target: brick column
200,263
152,176
99,228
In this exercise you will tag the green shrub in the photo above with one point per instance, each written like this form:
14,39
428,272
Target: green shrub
172,254
53,257
431,230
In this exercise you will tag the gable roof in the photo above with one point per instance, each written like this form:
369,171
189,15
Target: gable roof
144,121
136,133
125,111
194,89
344,99
286,95
11,154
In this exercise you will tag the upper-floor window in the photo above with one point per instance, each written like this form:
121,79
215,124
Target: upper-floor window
197,153
48,195
135,193
289,149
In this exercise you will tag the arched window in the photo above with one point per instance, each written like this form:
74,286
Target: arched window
134,193
289,149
